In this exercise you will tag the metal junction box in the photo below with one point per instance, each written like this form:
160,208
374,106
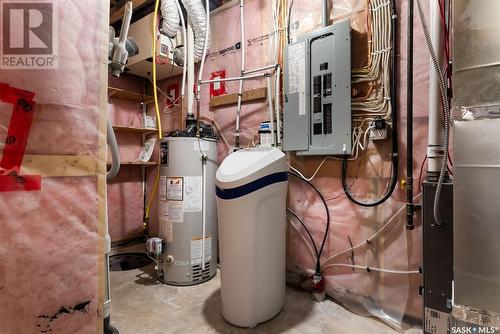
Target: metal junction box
317,118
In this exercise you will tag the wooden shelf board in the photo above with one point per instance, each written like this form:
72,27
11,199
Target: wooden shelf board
133,129
129,95
252,95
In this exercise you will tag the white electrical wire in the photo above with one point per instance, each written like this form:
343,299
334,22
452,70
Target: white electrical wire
303,237
356,143
377,104
369,269
373,237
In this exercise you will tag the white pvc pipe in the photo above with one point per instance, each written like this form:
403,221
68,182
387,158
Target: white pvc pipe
248,77
184,41
204,210
270,105
190,72
242,72
259,69
277,105
435,148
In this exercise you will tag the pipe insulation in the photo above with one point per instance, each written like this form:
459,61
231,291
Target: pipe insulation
198,19
171,18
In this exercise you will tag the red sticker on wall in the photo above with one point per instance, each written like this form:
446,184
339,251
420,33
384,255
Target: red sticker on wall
16,141
217,88
173,94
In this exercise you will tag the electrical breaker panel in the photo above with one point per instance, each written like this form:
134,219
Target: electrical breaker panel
317,118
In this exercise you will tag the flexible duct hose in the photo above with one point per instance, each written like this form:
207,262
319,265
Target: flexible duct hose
444,100
184,41
170,15
115,153
197,15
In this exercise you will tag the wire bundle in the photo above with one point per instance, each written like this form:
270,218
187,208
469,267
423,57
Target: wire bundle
377,103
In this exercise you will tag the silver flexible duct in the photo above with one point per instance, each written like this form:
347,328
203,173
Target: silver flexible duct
197,16
171,18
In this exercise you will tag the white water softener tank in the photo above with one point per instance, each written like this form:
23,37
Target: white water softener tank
186,200
251,188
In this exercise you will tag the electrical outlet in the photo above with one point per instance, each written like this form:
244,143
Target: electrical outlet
378,134
379,130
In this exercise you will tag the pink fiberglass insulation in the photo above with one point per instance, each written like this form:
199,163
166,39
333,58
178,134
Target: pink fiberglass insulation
51,244
125,191
387,296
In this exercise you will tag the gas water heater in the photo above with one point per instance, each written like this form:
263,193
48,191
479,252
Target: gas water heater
186,250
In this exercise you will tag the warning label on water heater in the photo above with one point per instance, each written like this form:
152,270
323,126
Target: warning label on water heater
175,188
175,212
163,209
196,247
192,194
162,191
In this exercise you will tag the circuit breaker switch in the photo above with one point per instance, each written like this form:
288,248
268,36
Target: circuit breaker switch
327,84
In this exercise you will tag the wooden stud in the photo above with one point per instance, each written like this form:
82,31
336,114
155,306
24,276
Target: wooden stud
251,95
59,165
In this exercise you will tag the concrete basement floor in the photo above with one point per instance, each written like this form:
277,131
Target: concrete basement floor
140,304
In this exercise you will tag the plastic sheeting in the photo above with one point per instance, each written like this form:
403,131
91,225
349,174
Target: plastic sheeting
51,240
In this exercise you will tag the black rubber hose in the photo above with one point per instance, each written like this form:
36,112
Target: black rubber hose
394,128
327,228
308,233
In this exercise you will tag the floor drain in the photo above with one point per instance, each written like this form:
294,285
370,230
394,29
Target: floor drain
128,261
